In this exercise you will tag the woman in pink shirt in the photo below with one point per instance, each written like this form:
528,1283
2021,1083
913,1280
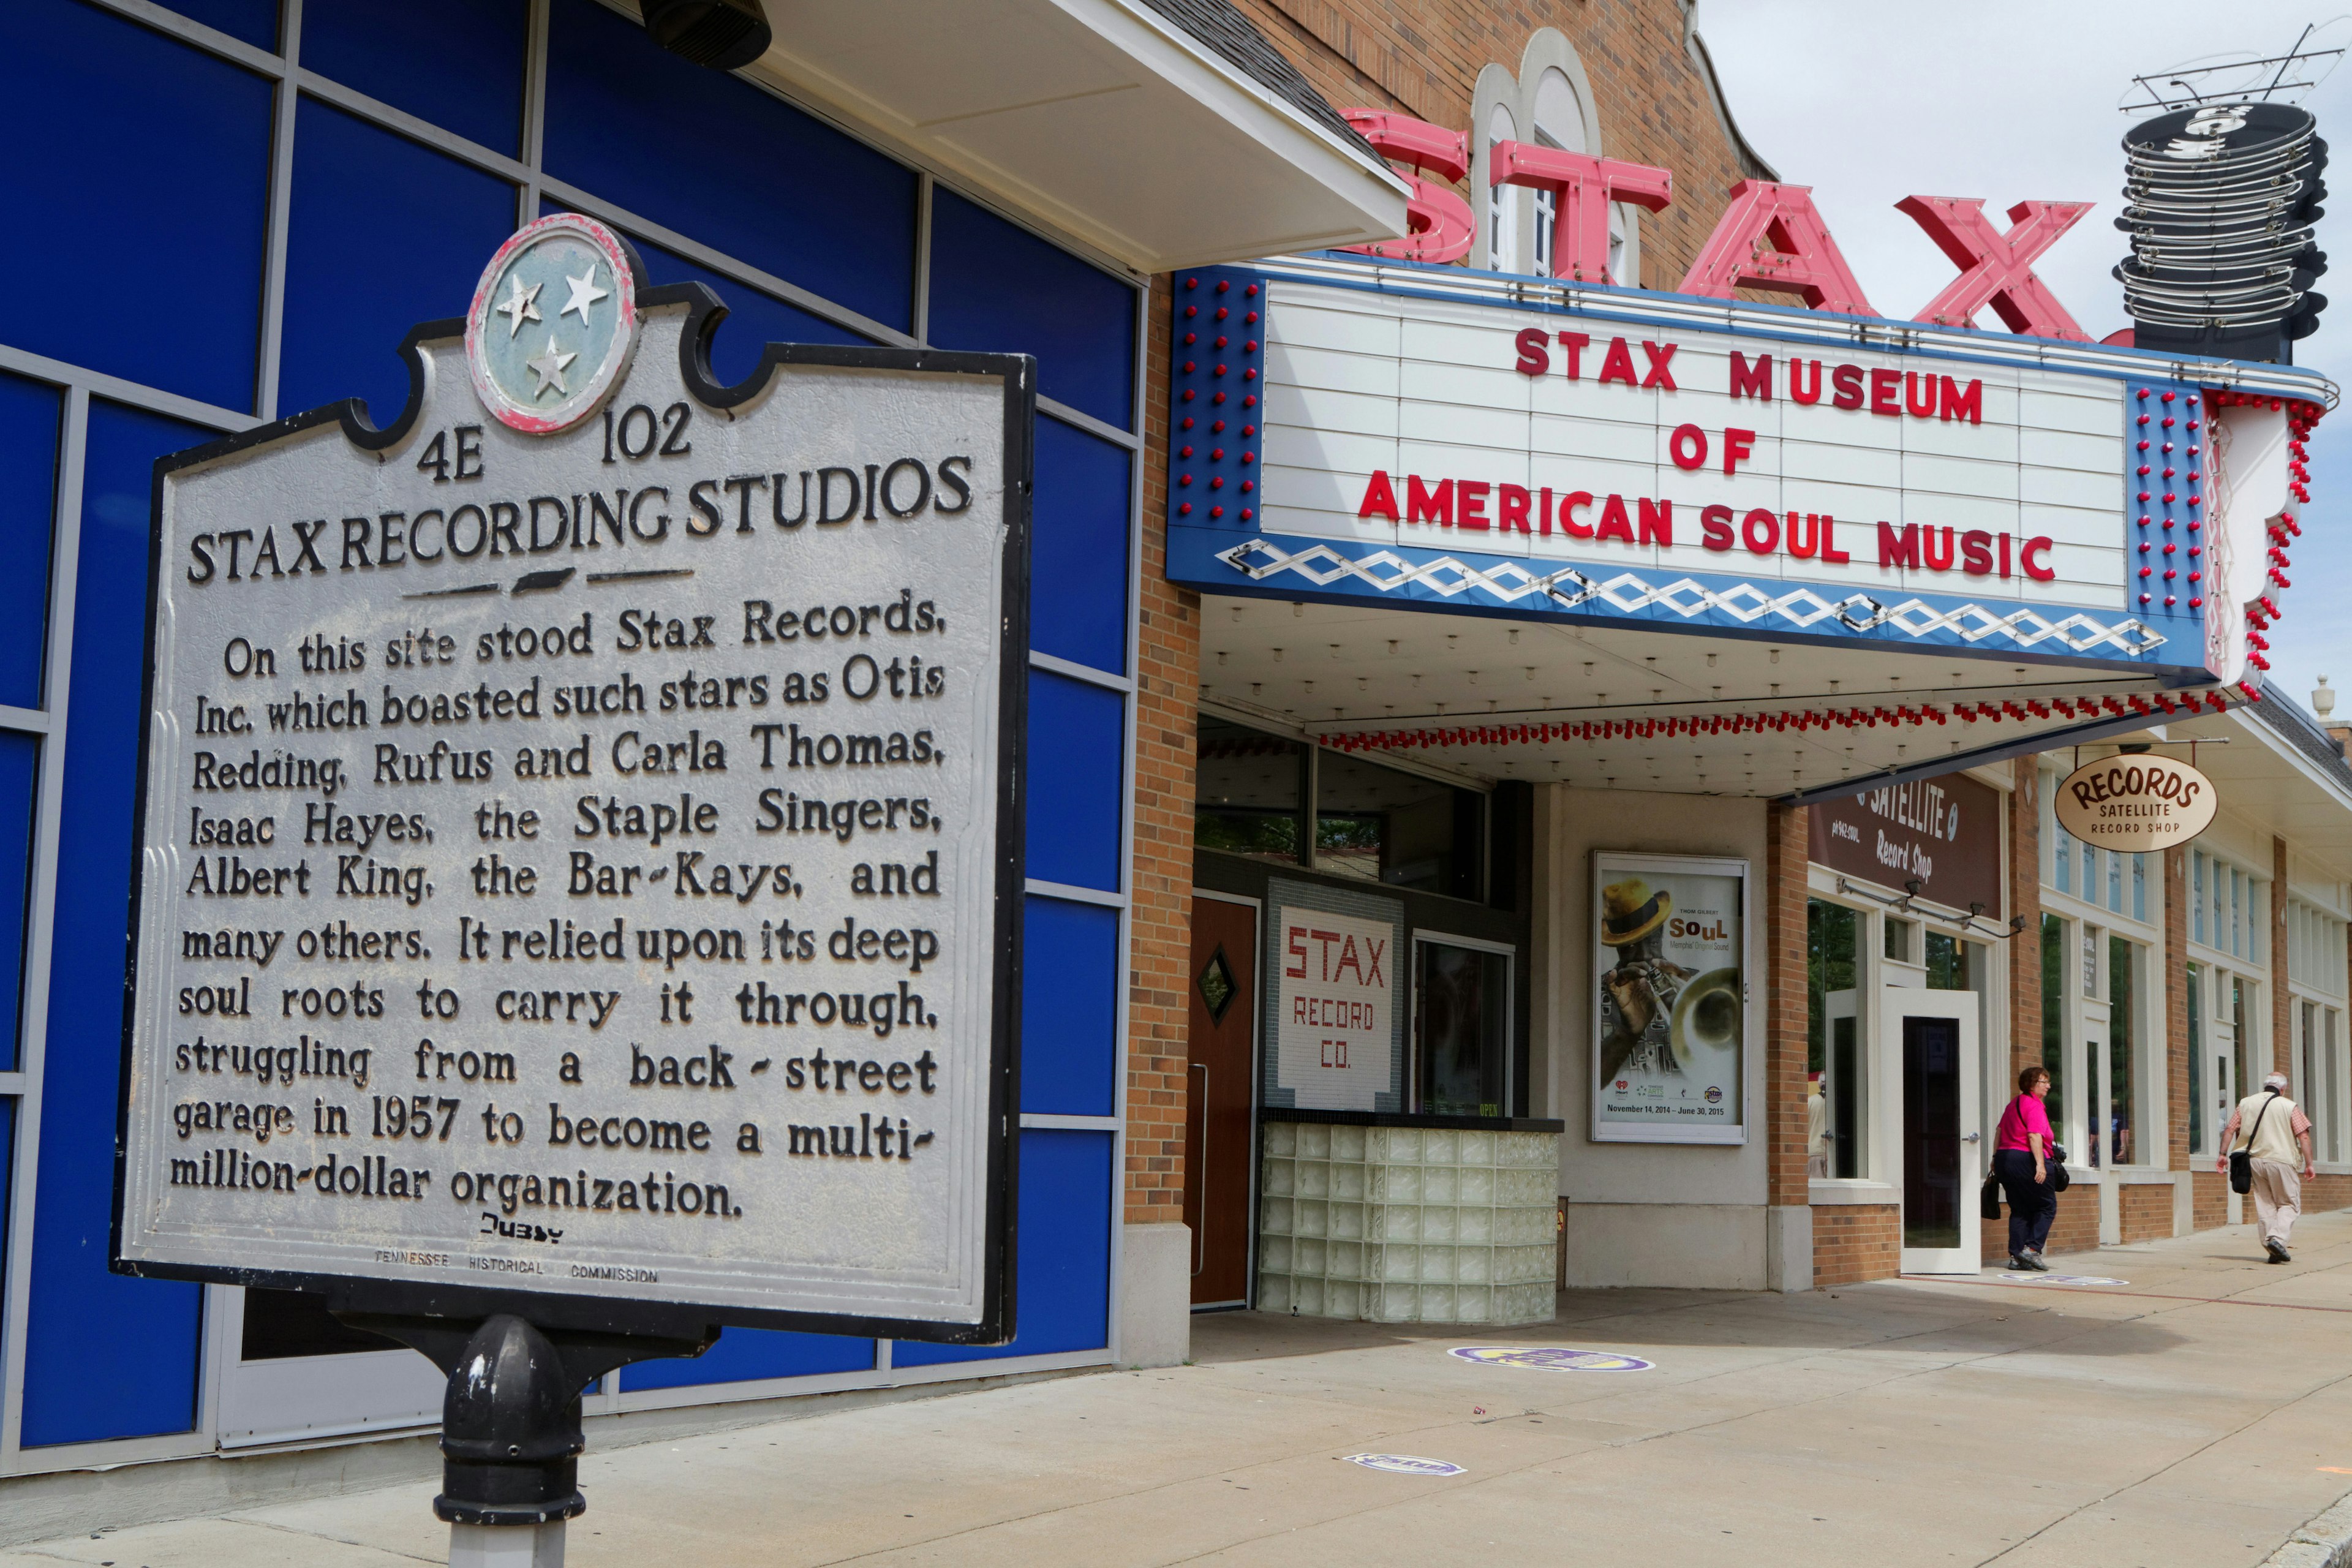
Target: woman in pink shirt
2022,1153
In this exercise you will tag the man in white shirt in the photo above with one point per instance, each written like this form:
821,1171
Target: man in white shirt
2274,1128
1817,1130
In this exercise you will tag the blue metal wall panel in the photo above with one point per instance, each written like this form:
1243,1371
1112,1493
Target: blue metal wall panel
131,120
351,293
142,166
29,489
1069,1008
1063,1300
1078,561
998,286
754,319
20,772
106,1356
251,22
1074,804
715,157
742,1355
457,63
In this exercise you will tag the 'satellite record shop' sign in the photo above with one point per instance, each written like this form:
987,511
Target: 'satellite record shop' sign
1367,433
579,846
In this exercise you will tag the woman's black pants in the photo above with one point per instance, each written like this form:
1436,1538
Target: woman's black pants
2032,1205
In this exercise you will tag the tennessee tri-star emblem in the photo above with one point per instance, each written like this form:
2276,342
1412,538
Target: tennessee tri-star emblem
553,325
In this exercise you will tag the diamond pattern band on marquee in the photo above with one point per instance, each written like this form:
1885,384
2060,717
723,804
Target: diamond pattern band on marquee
1569,589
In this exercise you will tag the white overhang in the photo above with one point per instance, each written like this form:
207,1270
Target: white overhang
1102,118
2278,770
1622,709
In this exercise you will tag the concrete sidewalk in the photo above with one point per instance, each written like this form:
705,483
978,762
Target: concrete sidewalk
2196,1414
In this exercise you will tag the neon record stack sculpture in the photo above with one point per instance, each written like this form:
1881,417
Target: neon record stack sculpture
2220,203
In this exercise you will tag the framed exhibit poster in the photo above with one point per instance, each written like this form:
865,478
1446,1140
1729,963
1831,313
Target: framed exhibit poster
1670,1008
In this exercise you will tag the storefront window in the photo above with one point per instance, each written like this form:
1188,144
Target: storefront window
1378,824
1832,1043
2331,1134
1896,942
1250,792
2309,1068
2123,1009
2196,979
2241,1062
2054,1015
1952,964
1461,1027
1502,201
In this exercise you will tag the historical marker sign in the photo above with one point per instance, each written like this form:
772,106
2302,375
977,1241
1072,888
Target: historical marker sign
580,847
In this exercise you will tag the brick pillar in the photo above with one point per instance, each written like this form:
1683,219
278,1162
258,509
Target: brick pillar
2025,898
2176,1006
1785,1005
1789,1238
2281,1005
1166,696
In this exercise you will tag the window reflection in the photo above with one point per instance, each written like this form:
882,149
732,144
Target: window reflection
1249,792
1462,1018
1379,825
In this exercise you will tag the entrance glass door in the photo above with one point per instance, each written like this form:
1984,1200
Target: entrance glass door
1941,1153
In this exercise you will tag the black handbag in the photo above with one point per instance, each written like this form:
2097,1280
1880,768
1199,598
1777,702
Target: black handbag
2242,1161
1989,1197
2059,1180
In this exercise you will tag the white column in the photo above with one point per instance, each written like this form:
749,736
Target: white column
507,1545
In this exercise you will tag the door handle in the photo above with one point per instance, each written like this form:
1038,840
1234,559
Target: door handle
1199,1172
1972,1138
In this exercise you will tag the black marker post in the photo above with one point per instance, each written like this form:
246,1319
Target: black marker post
510,1437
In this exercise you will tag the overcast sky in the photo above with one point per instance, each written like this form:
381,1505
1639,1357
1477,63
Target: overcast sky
1869,102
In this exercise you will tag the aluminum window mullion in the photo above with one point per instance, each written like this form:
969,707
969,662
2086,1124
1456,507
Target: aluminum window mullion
694,250
1070,892
281,206
1056,664
922,317
114,389
1131,440
41,910
236,51
534,106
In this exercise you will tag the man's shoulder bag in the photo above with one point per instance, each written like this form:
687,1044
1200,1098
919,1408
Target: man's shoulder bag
2242,1161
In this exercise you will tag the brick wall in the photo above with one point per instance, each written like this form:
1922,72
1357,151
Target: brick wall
2145,1212
2209,1204
1168,685
2024,898
2077,1229
1786,852
2322,1193
1855,1242
1423,56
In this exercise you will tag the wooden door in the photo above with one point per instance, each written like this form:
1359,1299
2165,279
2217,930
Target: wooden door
1220,1145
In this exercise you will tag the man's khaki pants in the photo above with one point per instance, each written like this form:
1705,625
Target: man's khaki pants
2278,1198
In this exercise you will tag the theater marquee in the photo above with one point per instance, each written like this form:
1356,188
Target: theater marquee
1427,437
